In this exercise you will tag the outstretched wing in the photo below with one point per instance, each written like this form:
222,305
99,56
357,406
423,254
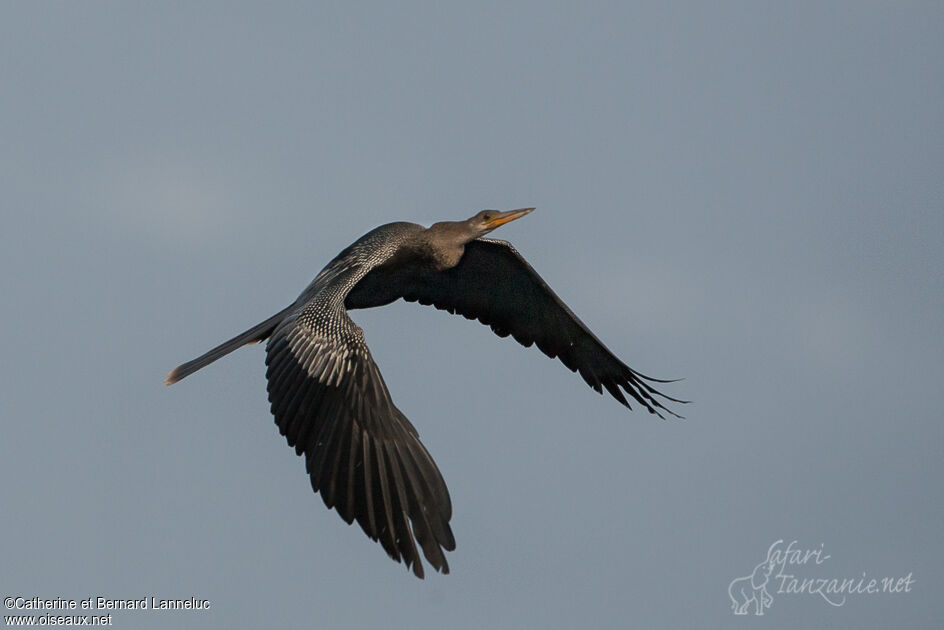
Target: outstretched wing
494,284
361,453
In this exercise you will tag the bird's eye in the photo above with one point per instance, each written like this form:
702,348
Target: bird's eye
486,216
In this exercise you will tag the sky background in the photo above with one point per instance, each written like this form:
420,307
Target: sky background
746,196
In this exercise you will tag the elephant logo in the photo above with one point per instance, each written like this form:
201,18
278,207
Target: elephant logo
752,588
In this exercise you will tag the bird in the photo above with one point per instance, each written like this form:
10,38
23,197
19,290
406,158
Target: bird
330,401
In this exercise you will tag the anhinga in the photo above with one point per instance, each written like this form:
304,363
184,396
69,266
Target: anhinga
330,401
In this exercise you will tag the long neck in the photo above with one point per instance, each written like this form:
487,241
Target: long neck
445,242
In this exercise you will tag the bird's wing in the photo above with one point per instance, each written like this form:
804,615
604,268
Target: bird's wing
495,284
361,453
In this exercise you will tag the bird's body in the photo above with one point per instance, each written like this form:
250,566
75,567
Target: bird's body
331,403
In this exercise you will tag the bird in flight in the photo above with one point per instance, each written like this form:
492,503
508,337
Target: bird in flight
331,403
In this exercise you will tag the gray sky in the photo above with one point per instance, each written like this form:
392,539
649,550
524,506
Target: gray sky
745,196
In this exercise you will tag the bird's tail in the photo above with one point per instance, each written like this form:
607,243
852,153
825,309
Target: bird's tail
255,334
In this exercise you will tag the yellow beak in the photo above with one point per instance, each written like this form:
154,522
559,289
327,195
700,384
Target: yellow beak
504,217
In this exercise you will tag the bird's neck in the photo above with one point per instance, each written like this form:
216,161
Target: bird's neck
444,243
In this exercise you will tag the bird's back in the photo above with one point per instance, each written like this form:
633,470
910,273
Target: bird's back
357,259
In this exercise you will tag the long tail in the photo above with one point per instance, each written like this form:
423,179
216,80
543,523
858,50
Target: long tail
253,335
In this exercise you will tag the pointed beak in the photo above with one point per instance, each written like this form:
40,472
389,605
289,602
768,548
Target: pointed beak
504,217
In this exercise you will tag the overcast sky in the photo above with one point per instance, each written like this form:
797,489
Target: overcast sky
746,196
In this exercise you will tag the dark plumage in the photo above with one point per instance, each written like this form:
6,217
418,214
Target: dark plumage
331,403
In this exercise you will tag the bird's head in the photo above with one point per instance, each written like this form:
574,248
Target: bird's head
447,239
487,220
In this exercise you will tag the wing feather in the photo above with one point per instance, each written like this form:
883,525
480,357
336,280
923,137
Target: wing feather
493,283
361,453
